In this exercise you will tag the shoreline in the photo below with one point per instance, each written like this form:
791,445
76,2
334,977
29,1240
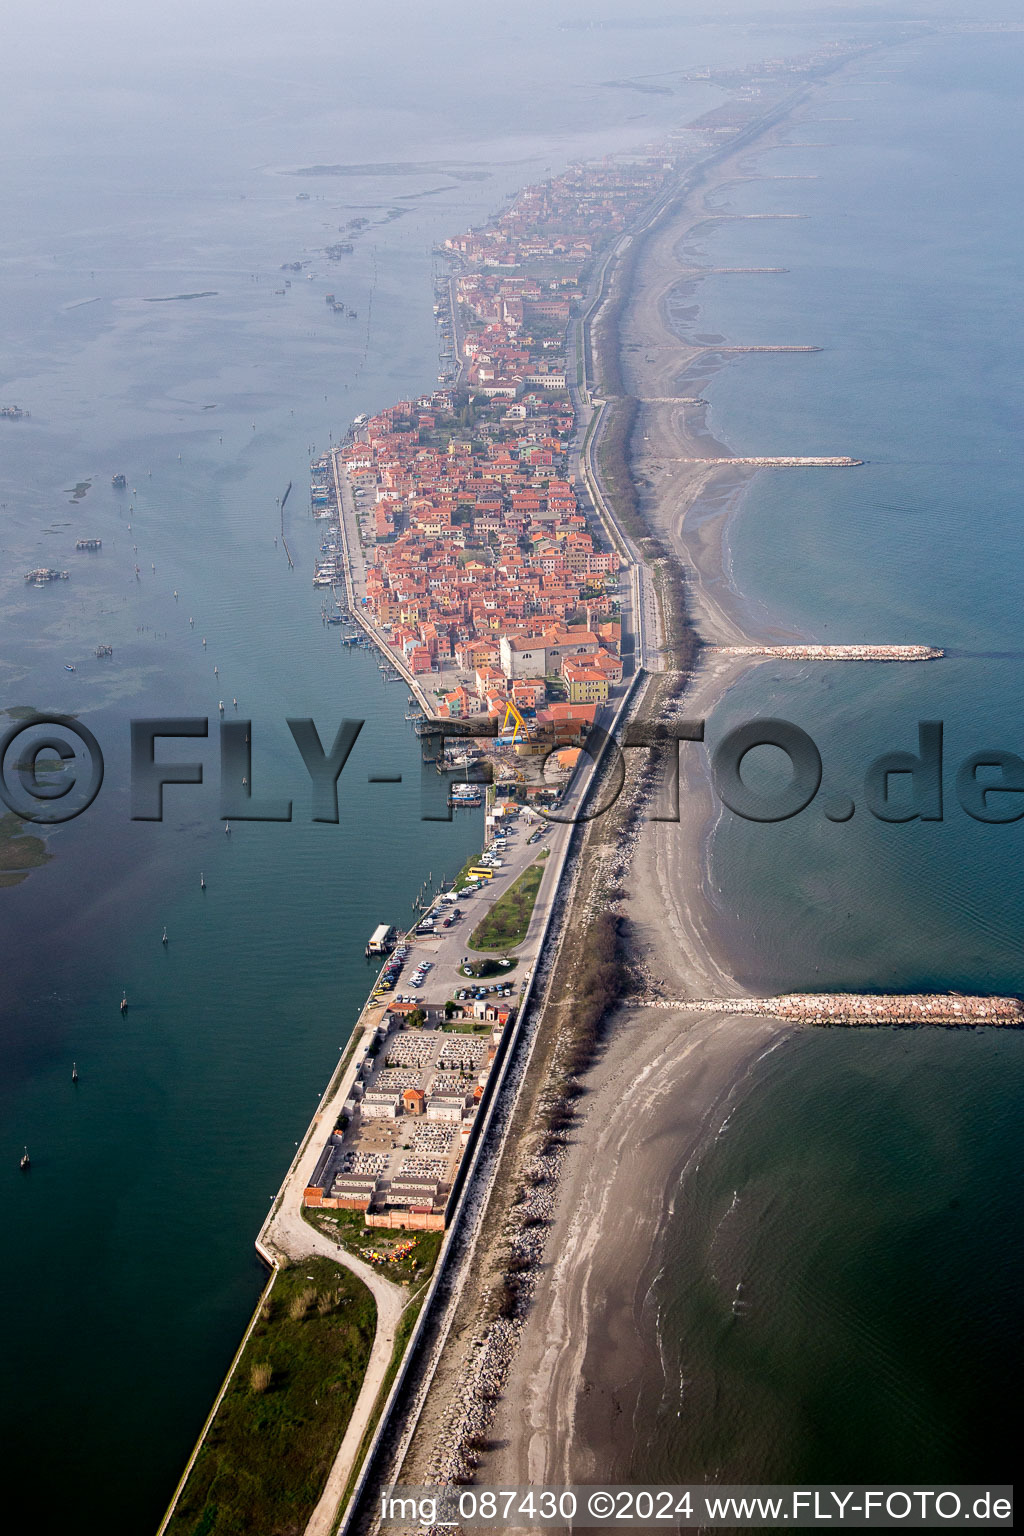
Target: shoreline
545,1369
576,1390
535,1392
578,1375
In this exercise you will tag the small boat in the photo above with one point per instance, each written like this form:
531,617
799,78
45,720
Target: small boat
202,881
227,828
74,1072
220,706
124,1002
69,668
26,1161
164,939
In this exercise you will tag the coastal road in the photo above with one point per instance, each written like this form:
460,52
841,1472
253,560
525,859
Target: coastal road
639,607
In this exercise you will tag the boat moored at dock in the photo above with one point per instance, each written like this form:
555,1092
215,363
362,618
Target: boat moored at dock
382,940
466,794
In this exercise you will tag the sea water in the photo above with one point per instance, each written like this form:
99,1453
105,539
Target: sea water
839,1287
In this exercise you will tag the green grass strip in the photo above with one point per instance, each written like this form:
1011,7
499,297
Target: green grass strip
266,1456
506,923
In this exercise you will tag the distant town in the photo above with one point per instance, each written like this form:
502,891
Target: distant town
485,559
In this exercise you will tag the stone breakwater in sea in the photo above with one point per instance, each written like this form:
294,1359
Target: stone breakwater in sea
857,1008
833,652
926,1008
781,461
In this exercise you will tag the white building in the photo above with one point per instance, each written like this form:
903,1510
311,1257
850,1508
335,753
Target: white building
380,1106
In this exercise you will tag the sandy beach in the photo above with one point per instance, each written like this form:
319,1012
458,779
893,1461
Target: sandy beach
664,365
665,1084
659,1093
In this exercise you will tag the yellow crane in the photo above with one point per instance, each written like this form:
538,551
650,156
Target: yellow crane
510,709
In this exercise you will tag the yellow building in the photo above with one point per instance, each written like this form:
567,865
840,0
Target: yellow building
585,685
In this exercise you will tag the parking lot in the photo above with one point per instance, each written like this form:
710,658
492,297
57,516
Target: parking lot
431,956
